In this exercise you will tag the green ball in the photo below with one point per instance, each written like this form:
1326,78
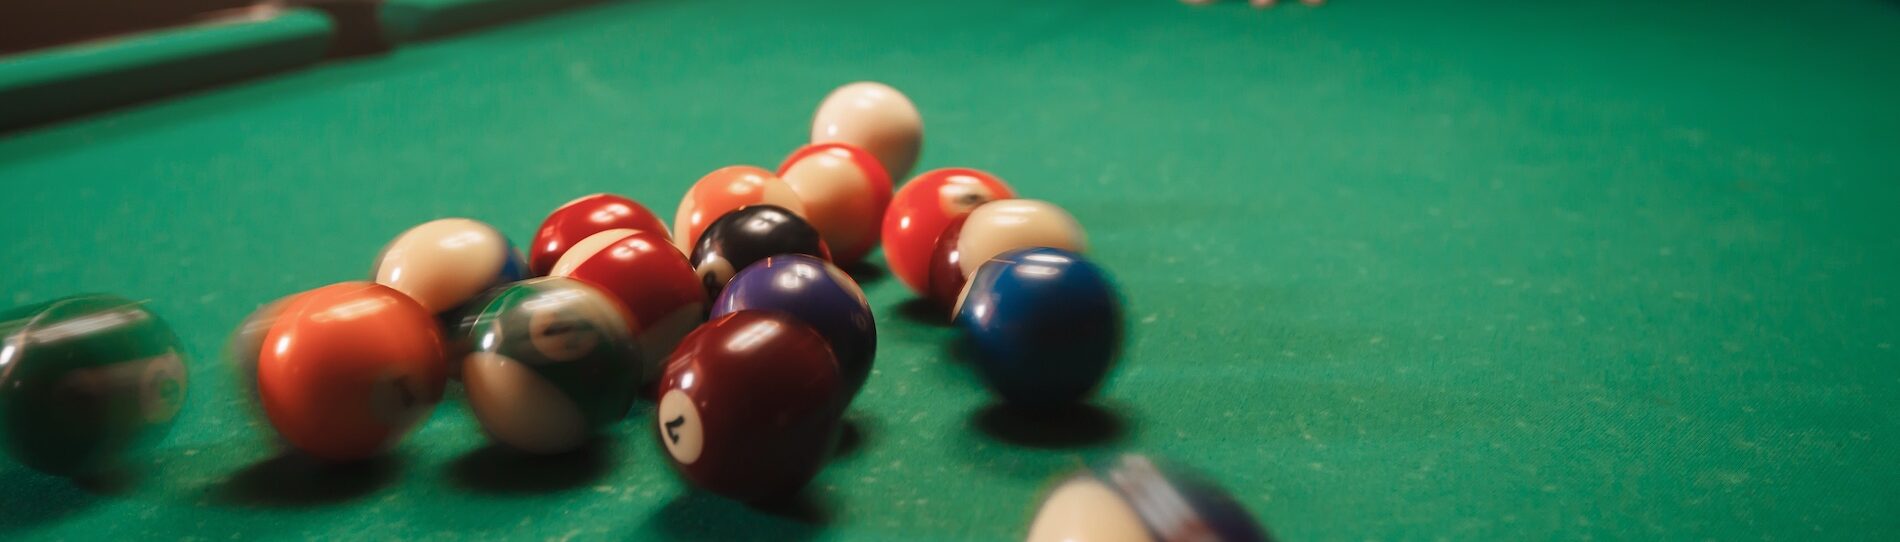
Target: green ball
86,381
553,360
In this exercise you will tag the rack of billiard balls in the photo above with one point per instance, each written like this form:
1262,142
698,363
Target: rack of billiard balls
737,321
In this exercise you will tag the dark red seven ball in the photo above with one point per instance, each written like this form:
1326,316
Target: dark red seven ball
749,405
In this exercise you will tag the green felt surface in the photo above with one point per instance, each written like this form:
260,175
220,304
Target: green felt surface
90,76
1394,269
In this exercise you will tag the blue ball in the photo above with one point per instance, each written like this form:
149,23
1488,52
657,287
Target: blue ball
1043,326
817,293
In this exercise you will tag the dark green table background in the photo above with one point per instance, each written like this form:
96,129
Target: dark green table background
1394,269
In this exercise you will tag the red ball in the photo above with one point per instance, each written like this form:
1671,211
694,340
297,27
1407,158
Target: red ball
346,370
724,190
652,280
921,209
991,229
750,404
946,272
582,217
845,191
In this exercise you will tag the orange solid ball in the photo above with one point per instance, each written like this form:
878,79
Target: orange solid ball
724,190
348,369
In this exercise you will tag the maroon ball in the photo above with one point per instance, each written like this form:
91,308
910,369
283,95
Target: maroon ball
946,276
750,404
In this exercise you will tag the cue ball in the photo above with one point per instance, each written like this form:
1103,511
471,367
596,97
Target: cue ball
747,235
920,211
1136,499
583,217
818,294
347,369
554,363
749,406
1043,326
445,263
845,191
645,274
724,190
86,383
874,117
991,229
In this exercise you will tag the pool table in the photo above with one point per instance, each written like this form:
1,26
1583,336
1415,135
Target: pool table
1392,269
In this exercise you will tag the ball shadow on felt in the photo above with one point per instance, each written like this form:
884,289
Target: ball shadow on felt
500,469
918,310
1071,426
293,479
865,272
697,515
29,497
855,433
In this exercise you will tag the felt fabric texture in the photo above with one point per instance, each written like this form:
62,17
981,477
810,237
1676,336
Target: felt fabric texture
1392,269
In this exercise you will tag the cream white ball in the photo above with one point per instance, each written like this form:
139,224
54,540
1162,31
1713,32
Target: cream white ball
875,117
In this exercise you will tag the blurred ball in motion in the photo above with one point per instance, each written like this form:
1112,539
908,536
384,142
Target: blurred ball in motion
554,361
1136,499
346,370
85,382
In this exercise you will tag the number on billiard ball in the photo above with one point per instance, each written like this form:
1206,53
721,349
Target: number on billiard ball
554,363
749,405
86,382
747,235
649,277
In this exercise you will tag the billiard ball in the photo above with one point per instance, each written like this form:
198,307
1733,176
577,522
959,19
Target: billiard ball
585,216
247,342
817,293
347,369
921,209
444,263
86,382
643,272
946,269
991,229
553,363
1138,500
874,117
724,190
845,191
458,328
745,236
1043,326
749,406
